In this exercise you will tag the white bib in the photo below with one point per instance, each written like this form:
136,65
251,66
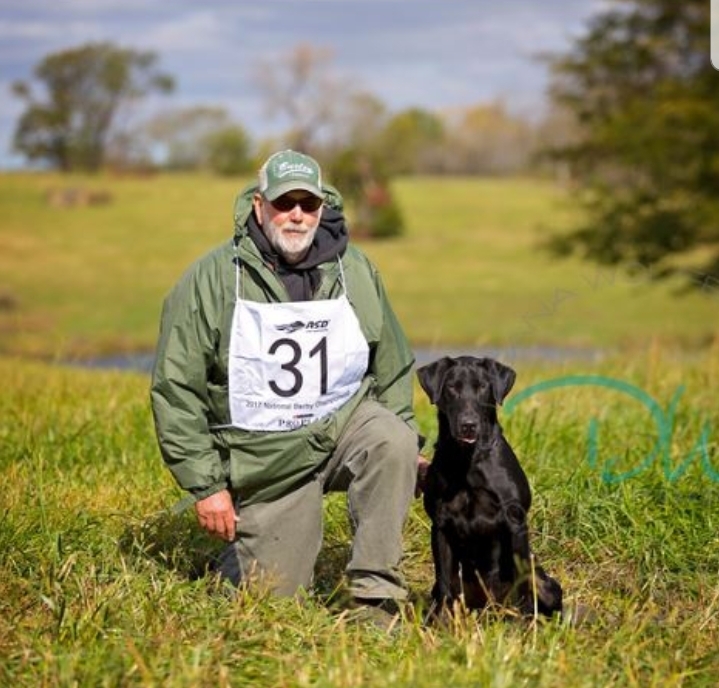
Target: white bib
293,363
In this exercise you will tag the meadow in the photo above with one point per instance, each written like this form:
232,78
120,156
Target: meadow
470,271
102,584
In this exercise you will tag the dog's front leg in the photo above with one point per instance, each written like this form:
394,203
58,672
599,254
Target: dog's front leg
446,571
516,520
537,591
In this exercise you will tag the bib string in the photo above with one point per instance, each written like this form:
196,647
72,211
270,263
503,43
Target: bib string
237,274
239,285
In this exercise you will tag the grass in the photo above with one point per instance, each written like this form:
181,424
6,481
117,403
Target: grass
99,582
90,280
472,272
101,585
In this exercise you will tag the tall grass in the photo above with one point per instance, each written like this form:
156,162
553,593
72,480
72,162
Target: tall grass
100,584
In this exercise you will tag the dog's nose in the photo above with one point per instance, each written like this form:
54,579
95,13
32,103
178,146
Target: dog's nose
468,429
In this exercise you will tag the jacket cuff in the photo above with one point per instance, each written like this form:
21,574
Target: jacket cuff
200,493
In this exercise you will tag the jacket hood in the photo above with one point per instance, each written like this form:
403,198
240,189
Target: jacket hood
330,242
243,204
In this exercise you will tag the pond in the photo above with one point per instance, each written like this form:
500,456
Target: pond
142,362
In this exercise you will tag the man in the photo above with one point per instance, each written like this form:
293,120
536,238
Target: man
281,374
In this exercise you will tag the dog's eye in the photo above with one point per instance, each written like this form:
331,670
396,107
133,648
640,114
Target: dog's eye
454,390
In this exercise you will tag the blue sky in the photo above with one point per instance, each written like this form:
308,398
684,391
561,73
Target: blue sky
433,54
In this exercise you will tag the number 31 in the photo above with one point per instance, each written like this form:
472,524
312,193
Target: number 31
291,365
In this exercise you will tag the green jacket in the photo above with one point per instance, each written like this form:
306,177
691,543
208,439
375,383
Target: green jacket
189,391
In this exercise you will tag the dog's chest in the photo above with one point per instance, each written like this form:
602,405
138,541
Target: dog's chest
468,512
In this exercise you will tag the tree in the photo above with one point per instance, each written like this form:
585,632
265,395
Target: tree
301,87
409,137
558,128
365,183
228,151
646,100
487,139
358,124
85,88
183,134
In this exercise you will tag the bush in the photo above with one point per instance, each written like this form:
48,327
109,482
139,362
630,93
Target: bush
386,220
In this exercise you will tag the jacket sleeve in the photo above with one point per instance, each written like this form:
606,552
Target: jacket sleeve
179,390
393,362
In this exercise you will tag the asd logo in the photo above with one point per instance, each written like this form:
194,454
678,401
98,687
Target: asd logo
310,325
664,422
317,325
290,327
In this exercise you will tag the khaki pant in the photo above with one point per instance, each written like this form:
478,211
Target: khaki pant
375,462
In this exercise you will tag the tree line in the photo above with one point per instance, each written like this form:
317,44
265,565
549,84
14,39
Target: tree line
81,125
633,126
78,125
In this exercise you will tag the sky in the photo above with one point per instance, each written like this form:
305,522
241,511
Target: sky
432,54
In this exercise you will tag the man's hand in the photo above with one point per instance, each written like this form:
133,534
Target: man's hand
216,514
422,466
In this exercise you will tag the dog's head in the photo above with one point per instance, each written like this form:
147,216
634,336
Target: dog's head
466,391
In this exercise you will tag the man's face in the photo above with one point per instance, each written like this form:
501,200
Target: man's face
289,222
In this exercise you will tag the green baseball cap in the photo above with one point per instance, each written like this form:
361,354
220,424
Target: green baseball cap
287,171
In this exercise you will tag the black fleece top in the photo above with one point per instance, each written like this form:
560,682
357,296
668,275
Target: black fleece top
302,279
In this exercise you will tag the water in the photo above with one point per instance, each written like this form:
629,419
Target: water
511,354
143,362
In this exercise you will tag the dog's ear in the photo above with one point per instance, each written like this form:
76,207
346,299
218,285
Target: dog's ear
502,378
431,376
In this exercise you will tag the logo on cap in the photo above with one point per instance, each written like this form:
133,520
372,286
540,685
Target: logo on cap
287,171
293,168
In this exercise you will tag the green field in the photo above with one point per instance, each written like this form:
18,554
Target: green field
101,585
98,582
469,271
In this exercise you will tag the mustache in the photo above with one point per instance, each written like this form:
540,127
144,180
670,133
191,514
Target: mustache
292,227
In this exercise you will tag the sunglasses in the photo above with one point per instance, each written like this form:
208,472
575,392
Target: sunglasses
285,203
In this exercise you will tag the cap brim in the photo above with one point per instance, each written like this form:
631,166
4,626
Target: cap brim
277,191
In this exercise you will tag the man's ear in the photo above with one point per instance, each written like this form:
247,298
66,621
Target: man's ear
502,379
431,376
257,208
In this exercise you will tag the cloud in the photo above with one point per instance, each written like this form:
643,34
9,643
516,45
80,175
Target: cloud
422,53
197,31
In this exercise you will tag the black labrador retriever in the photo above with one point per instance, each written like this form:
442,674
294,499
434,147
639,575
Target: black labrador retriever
477,495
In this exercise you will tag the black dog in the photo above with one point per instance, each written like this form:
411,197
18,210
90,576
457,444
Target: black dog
477,495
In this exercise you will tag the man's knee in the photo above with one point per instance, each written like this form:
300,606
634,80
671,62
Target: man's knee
277,542
391,443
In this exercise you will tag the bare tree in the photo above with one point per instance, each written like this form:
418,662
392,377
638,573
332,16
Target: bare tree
183,133
302,87
487,139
